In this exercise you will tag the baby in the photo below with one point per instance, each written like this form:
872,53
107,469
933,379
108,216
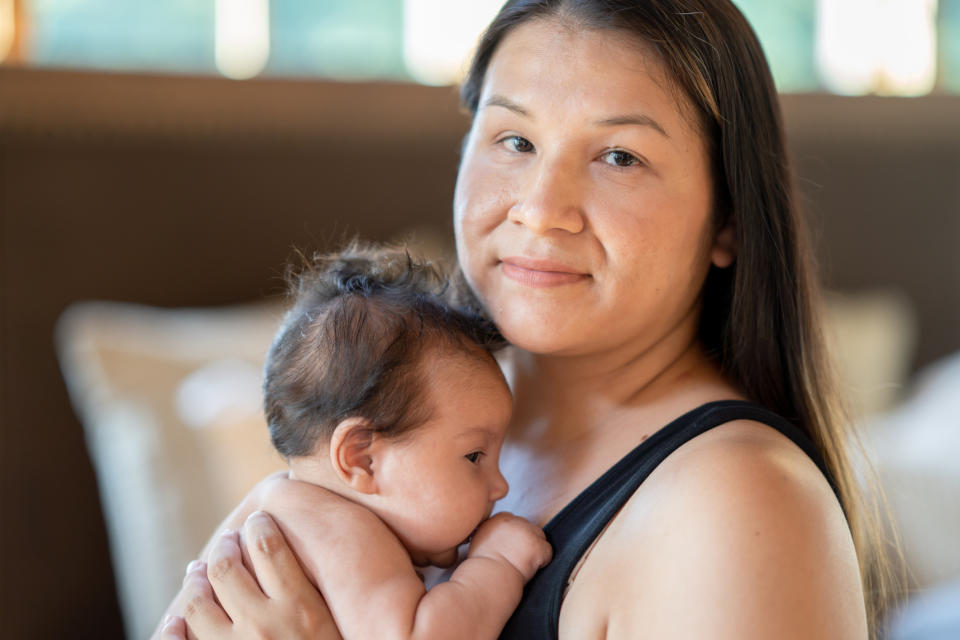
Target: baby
390,410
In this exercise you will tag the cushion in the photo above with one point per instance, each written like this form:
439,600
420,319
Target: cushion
915,449
170,401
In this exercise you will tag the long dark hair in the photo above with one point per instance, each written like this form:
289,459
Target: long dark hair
760,317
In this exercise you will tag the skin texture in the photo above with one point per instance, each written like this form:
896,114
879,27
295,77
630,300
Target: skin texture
433,486
721,540
362,510
623,207
588,232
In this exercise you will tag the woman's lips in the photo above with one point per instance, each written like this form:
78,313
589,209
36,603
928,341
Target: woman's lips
540,273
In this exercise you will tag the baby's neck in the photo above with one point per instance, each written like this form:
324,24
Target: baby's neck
317,470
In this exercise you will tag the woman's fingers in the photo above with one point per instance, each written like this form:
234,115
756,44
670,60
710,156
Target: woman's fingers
287,606
203,615
298,608
276,567
235,588
173,628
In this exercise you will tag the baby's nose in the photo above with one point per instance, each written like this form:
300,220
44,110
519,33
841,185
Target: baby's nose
498,486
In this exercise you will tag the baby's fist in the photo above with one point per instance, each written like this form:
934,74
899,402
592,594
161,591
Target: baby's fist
510,538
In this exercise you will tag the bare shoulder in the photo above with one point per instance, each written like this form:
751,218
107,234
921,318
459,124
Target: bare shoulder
745,470
736,535
303,501
332,535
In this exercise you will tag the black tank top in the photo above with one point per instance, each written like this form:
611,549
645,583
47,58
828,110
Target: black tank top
573,530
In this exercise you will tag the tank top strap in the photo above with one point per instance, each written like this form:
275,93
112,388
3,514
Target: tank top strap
576,526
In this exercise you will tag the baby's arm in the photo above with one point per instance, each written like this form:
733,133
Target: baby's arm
505,552
370,585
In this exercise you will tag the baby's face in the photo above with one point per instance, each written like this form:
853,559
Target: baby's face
441,480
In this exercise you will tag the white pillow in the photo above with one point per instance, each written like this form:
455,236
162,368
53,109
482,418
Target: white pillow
916,449
170,403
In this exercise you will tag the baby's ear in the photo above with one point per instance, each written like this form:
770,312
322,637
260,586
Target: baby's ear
351,454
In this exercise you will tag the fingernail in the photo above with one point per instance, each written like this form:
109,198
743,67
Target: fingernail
167,619
196,565
257,515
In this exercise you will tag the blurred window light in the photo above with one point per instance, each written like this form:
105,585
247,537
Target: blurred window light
895,47
439,37
7,32
120,35
949,34
241,37
787,31
343,39
887,47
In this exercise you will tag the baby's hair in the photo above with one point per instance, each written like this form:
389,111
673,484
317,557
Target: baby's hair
352,343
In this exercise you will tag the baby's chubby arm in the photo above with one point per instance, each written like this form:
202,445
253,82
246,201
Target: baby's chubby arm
369,582
505,553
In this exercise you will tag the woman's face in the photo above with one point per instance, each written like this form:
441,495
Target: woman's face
583,204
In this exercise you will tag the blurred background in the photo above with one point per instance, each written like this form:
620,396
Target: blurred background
160,161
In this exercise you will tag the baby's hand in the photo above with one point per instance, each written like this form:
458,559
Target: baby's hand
510,538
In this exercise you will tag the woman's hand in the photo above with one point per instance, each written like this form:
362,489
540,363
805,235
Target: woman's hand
222,599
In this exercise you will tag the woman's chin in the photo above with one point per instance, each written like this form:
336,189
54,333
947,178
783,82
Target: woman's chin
541,333
538,342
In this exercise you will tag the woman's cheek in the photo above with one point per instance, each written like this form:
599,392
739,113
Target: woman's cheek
481,203
470,250
488,184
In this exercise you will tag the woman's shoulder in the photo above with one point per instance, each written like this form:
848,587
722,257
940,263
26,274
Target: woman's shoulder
743,477
736,534
746,462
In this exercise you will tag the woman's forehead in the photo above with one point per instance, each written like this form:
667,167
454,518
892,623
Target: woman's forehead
604,73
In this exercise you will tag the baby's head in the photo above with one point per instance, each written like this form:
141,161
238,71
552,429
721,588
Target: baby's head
377,387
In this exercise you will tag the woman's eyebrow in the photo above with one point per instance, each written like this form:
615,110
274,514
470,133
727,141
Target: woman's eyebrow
639,119
636,119
502,101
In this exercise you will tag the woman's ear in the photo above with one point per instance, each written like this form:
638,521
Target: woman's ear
724,250
352,453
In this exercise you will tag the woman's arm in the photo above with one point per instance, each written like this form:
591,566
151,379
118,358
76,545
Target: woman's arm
735,538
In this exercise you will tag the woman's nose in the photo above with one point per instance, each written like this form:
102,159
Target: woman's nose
498,486
551,200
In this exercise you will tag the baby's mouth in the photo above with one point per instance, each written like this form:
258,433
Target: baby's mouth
472,533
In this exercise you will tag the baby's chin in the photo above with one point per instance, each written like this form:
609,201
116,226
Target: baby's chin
442,559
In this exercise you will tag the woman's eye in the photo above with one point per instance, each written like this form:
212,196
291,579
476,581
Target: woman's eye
621,158
474,457
518,144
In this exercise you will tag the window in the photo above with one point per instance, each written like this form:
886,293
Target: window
787,31
160,35
897,47
949,39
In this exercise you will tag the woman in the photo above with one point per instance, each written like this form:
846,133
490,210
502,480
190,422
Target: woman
624,211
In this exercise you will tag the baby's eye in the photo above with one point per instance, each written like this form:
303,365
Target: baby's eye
621,158
474,457
518,144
